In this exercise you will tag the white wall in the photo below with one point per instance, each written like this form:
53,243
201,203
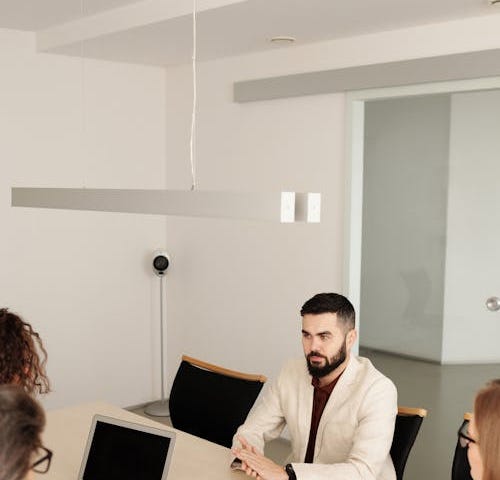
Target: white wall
80,278
404,224
236,287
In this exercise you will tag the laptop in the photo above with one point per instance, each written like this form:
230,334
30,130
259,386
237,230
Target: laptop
120,450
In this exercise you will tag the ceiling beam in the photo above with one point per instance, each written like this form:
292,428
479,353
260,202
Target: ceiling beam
131,16
459,66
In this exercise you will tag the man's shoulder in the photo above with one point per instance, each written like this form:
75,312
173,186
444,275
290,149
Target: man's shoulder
366,372
364,364
369,388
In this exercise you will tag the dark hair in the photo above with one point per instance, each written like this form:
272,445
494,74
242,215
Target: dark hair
487,421
331,303
22,356
21,424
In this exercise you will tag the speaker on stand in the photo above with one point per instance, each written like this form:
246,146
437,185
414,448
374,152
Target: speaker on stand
160,263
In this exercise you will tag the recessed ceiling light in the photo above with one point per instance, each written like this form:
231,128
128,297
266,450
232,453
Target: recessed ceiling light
284,39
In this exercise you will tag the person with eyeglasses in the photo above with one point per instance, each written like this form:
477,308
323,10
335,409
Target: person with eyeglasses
22,420
481,436
22,355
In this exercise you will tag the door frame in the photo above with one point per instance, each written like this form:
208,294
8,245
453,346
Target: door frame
354,161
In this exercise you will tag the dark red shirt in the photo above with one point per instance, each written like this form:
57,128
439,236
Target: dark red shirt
321,396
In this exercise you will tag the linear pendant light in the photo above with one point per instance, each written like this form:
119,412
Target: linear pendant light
285,207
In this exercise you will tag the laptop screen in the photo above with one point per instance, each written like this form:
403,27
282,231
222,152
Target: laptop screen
126,452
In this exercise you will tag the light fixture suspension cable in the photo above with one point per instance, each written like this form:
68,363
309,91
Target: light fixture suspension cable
193,114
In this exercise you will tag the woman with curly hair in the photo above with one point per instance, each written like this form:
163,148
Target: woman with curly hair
21,424
22,355
483,435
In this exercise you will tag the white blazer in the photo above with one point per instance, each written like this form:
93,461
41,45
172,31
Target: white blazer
355,431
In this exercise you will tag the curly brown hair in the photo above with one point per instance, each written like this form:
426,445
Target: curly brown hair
21,423
22,355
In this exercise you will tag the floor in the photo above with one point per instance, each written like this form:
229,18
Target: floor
445,391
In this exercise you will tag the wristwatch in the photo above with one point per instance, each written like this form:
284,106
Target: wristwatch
290,472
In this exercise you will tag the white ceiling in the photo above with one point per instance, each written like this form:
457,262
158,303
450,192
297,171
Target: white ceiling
236,28
40,14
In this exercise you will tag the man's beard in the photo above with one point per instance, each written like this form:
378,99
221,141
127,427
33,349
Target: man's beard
330,364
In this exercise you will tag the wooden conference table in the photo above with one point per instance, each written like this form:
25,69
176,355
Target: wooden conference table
66,435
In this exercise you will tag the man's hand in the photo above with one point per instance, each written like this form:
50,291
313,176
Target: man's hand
256,465
243,465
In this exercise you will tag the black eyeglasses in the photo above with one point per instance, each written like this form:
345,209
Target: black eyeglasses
463,436
42,465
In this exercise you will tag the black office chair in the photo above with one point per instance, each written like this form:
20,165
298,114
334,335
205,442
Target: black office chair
460,469
408,424
211,402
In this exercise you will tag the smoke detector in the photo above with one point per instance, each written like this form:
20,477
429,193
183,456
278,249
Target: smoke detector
284,39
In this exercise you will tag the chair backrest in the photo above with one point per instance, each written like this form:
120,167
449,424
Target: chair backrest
407,426
211,402
460,469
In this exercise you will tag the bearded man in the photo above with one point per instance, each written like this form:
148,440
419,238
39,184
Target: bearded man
339,409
